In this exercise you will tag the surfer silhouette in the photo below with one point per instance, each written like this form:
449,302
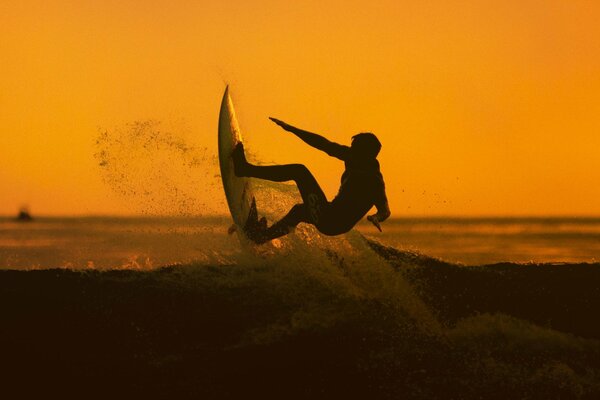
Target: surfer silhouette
361,188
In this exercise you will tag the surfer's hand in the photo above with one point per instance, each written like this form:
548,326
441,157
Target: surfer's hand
280,123
375,221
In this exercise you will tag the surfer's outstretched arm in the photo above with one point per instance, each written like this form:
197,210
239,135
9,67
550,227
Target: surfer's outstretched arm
317,141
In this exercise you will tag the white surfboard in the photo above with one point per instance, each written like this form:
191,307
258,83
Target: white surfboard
237,190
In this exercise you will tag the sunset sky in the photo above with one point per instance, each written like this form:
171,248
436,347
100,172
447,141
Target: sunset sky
483,107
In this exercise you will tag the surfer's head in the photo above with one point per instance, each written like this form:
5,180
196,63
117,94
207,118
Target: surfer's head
365,145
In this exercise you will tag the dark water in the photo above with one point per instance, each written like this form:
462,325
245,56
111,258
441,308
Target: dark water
306,317
102,242
319,318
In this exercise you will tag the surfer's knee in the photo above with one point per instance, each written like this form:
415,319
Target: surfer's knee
296,215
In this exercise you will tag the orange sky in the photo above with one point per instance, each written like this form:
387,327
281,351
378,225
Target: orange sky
483,108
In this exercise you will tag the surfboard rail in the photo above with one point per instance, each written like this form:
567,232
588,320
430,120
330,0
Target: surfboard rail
238,190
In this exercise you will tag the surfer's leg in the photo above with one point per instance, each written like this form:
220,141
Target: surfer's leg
298,213
314,199
310,190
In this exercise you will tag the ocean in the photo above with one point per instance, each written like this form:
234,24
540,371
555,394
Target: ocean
150,242
177,308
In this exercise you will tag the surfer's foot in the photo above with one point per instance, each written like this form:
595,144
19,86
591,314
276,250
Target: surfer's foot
240,164
257,236
252,227
256,231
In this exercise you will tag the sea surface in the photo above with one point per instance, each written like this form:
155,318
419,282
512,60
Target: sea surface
150,242
305,317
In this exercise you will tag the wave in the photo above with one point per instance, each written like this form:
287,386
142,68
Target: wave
308,316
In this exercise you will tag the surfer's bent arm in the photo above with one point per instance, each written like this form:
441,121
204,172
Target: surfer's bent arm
317,141
383,212
383,209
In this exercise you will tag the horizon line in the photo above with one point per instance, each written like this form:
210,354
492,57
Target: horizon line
416,216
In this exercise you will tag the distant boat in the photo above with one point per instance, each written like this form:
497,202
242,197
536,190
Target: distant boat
24,216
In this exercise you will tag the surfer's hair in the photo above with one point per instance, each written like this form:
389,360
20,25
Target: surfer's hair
367,143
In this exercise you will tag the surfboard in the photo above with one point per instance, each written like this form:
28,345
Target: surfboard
238,190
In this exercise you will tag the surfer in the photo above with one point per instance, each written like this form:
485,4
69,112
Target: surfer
361,188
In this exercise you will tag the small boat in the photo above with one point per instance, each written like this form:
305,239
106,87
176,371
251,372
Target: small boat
24,215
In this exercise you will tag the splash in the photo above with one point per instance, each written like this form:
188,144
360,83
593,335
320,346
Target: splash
344,265
153,167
